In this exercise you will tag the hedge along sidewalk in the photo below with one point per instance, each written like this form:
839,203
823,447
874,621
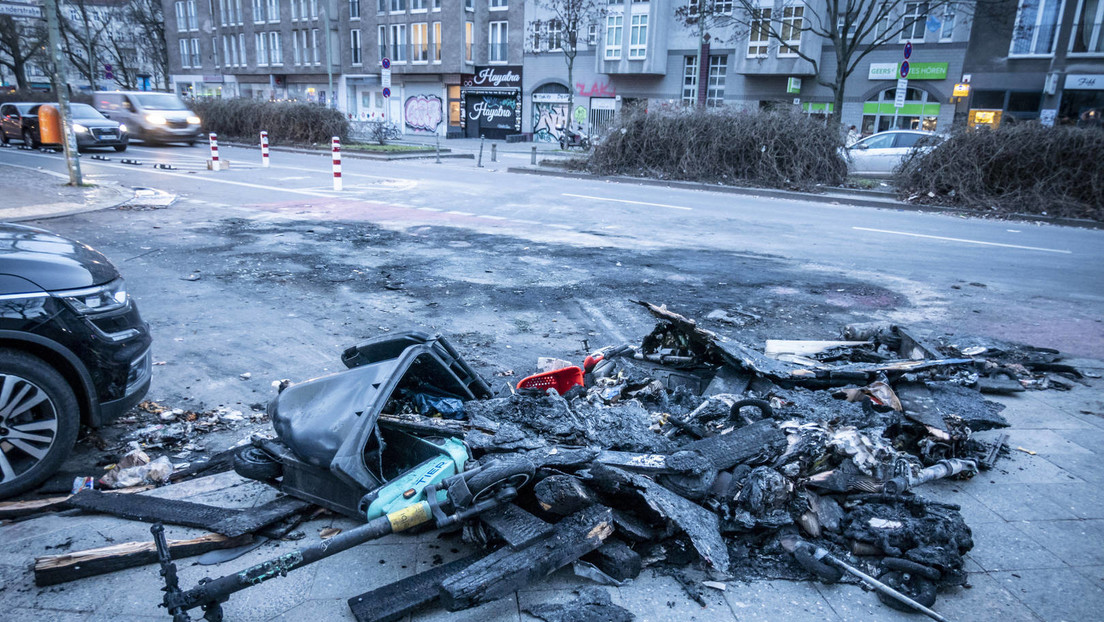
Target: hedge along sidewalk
841,196
349,153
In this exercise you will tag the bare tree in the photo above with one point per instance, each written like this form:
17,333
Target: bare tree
852,28
706,18
568,24
21,41
149,18
83,24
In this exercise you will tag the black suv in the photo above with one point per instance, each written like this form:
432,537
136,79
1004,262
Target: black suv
73,350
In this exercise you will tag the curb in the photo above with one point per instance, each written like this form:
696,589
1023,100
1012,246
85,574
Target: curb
350,154
853,197
46,211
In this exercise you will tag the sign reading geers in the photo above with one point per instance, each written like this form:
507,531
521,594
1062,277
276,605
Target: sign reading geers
496,76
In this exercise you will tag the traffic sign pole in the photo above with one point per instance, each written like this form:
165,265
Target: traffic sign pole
62,88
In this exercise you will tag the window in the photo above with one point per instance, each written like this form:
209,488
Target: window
916,17
381,42
295,54
499,5
193,23
419,41
222,13
436,5
921,112
181,19
614,26
1036,27
314,47
758,37
714,93
638,36
398,43
381,6
436,42
592,34
848,25
354,9
303,46
258,11
548,37
398,6
261,43
273,10
468,33
275,50
722,7
215,51
946,30
294,10
497,51
243,60
792,17
239,20
196,62
417,6
185,58
469,5
314,9
1086,37
303,11
354,42
226,51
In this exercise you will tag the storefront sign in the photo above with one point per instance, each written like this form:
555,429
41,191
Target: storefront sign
1085,82
214,79
1047,116
551,98
961,90
492,112
497,76
916,71
793,85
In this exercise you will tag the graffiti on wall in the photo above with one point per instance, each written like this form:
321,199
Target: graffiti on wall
547,117
423,113
596,89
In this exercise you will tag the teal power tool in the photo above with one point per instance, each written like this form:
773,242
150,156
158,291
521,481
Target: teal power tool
439,489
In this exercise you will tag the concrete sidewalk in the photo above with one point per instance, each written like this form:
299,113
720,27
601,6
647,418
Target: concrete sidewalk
1037,521
31,193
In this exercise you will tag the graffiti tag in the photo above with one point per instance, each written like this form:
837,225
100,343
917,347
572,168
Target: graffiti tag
604,89
423,113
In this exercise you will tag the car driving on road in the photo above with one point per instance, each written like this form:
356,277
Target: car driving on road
880,154
152,117
18,122
92,129
73,350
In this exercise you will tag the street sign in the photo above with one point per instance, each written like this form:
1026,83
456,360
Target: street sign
904,68
908,49
17,9
386,92
109,74
961,89
386,63
902,91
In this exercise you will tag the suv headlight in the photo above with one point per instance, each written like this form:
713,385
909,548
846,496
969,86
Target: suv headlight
194,120
94,300
122,128
77,127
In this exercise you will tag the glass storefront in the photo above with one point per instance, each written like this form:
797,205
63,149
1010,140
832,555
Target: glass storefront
920,112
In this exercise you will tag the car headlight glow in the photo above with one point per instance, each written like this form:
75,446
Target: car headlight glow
155,119
122,128
77,127
101,299
194,120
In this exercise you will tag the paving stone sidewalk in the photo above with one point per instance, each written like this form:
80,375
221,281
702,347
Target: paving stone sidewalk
30,194
1037,521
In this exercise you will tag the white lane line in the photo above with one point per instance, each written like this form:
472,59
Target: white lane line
583,196
452,211
964,241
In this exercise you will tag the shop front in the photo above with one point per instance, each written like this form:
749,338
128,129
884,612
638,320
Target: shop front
490,102
1082,100
921,109
550,113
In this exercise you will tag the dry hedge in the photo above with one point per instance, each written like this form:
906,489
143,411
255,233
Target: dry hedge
45,97
286,122
1027,169
776,149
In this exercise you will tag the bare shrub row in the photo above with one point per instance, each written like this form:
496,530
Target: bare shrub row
1024,168
776,149
286,122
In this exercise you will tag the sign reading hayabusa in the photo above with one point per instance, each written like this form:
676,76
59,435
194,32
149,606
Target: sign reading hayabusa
497,76
18,9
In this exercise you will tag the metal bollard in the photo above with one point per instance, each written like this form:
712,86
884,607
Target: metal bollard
215,164
264,149
479,163
494,152
337,164
438,149
533,156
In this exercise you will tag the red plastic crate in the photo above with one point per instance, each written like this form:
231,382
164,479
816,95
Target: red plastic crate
559,379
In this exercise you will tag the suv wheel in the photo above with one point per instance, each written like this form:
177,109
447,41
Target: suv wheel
29,140
38,421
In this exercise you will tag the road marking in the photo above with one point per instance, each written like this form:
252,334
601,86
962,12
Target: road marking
965,241
583,196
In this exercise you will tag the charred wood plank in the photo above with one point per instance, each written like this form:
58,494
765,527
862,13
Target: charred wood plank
16,509
516,526
762,438
633,528
395,600
616,559
249,521
417,424
563,495
506,571
55,569
220,462
151,509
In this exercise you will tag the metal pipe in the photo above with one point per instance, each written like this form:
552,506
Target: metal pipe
819,553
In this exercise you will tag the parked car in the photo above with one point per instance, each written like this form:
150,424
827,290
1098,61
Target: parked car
92,129
878,155
153,117
19,123
73,350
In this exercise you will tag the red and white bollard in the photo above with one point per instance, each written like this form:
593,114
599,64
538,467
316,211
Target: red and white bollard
337,163
264,149
215,164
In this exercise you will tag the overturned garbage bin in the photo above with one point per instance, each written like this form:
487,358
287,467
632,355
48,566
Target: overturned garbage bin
330,449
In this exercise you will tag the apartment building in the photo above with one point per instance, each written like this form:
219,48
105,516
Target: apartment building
1044,61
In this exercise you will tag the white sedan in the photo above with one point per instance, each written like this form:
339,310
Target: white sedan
880,154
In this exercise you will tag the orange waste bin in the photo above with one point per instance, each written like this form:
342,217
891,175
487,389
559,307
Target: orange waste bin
49,125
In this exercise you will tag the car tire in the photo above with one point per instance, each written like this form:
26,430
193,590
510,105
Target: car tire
191,143
916,587
29,139
25,378
3,137
120,148
254,463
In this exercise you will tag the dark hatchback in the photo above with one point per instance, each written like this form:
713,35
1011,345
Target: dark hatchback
73,350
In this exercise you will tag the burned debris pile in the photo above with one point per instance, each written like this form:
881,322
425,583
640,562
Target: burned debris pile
690,453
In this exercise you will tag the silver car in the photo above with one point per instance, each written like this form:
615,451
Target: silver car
878,155
152,117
